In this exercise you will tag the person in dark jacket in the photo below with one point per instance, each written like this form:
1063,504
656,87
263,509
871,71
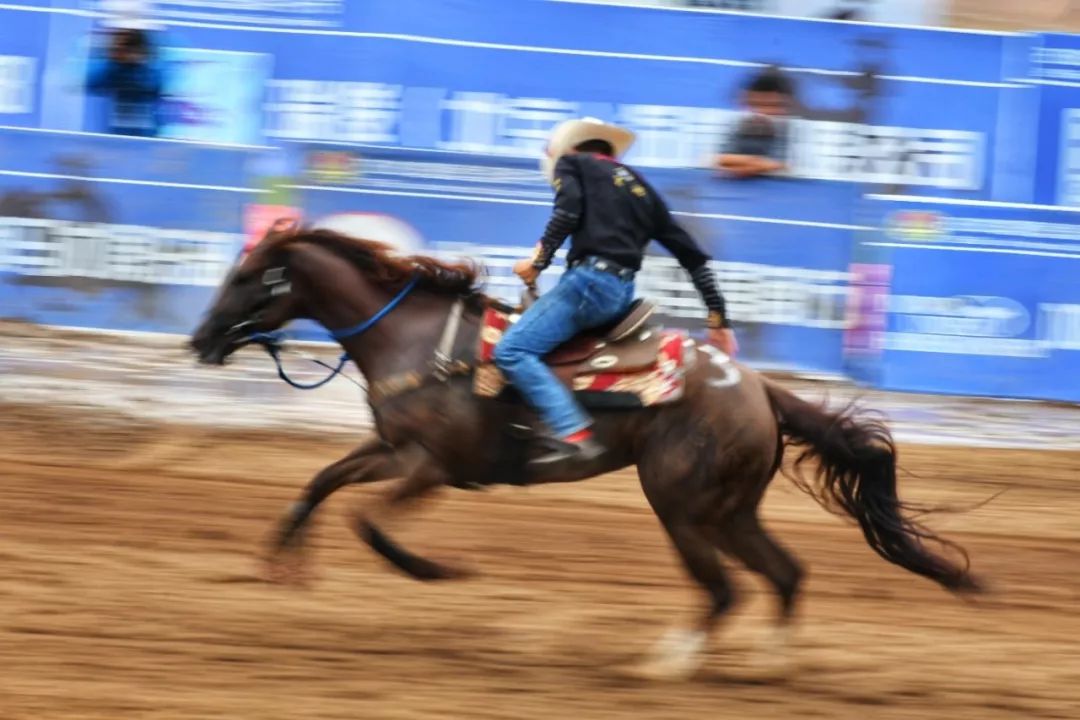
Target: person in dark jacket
612,214
126,69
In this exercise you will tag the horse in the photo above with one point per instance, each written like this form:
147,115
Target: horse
411,325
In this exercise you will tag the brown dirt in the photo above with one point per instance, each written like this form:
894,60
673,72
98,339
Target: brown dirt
127,559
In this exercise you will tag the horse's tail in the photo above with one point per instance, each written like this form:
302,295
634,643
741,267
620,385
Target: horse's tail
856,476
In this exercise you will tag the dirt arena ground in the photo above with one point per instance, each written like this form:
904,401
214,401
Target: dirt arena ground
129,537
127,590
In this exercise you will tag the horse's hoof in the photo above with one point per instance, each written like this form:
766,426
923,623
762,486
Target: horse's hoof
677,656
772,660
656,670
287,571
457,572
431,571
272,574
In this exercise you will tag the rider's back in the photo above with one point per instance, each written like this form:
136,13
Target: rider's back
622,213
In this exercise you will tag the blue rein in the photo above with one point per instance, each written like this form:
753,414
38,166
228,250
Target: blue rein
273,349
370,322
272,341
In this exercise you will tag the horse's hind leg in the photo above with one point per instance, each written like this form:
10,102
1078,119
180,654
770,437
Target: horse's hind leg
744,538
669,488
678,654
760,552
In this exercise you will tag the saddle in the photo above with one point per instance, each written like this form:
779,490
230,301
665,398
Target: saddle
632,362
628,344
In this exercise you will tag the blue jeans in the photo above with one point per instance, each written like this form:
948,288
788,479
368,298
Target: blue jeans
583,299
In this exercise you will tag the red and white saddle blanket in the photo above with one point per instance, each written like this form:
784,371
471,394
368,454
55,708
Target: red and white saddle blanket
659,380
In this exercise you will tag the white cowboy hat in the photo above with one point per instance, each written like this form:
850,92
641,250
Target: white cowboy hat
571,133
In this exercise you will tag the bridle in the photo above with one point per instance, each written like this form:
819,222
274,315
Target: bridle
443,366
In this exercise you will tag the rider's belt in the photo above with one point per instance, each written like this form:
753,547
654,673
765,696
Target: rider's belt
603,265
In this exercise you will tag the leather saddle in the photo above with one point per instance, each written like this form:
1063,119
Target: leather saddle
627,345
630,363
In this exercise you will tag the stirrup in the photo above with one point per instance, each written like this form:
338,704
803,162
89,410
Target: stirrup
520,432
562,451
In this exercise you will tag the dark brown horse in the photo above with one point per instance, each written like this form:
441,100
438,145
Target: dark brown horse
704,462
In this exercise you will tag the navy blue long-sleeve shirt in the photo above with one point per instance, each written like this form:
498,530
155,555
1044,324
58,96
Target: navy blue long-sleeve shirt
612,213
135,88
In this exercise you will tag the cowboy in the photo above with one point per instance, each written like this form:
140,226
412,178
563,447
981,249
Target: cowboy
612,214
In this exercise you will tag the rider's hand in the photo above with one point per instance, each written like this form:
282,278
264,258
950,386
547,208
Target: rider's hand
723,339
525,270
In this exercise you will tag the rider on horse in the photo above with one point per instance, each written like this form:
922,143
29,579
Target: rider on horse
612,214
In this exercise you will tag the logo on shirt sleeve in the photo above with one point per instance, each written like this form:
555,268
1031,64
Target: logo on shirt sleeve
624,178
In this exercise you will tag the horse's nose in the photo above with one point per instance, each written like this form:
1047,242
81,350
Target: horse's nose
198,338
202,344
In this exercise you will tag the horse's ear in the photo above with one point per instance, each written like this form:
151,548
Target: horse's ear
283,226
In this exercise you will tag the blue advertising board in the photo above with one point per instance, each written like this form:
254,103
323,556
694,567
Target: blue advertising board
215,95
1055,71
983,297
420,123
492,77
23,59
118,233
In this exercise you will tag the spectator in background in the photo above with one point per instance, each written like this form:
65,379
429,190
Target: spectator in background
124,66
758,146
851,10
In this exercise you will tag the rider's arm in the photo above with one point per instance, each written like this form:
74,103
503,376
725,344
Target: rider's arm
753,149
748,165
690,255
566,216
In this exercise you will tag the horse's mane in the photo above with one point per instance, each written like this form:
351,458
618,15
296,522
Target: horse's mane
383,265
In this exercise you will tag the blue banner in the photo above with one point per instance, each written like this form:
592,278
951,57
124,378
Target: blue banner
1055,71
983,298
493,77
118,233
215,96
23,57
420,123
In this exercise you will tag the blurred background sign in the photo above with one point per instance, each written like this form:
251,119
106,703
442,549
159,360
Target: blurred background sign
983,297
215,96
115,232
420,124
912,12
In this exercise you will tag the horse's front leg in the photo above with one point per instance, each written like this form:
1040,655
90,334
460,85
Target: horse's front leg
372,461
399,499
